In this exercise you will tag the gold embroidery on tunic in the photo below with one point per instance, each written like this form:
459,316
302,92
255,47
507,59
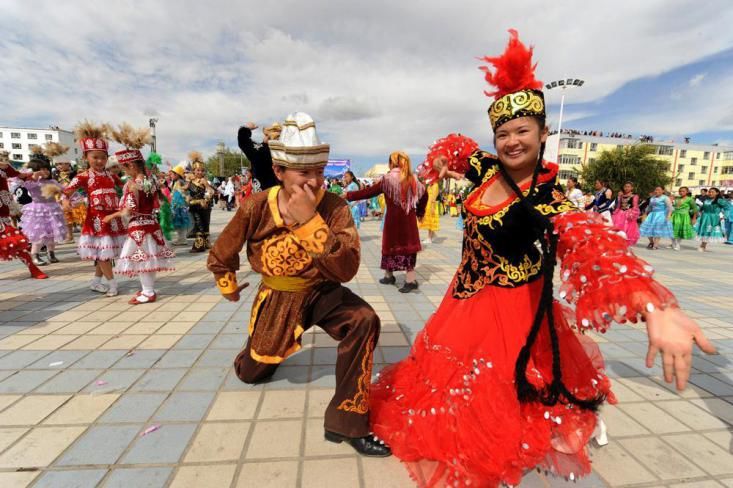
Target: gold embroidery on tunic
282,255
360,403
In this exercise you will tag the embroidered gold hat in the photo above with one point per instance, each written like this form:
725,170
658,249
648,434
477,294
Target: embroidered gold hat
299,146
517,92
197,160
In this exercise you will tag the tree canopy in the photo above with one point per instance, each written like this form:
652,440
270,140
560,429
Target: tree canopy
234,161
635,163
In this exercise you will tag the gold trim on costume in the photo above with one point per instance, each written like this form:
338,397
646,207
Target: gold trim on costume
360,403
313,235
514,105
228,283
288,283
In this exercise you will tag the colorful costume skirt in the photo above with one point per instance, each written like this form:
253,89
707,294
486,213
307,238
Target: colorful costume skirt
656,225
625,221
144,251
431,220
399,262
681,225
708,228
44,222
12,242
450,411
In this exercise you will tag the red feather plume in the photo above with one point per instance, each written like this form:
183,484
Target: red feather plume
513,70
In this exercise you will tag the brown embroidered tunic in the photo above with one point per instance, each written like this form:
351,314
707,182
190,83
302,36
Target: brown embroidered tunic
295,262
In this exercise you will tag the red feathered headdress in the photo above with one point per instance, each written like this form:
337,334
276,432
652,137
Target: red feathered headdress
514,70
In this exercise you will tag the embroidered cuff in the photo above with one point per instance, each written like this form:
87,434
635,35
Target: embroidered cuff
227,283
313,235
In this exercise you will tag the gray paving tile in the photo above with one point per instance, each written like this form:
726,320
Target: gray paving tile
140,359
81,478
25,381
69,381
163,446
182,406
228,341
194,341
99,359
102,444
138,477
207,328
20,359
117,379
216,357
66,358
178,359
159,380
203,379
133,407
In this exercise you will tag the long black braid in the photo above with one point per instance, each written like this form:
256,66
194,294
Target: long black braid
557,391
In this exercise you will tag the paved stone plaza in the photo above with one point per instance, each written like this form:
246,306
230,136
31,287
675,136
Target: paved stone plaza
82,377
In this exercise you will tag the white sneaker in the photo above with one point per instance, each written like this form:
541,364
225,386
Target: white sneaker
112,292
98,287
600,434
427,241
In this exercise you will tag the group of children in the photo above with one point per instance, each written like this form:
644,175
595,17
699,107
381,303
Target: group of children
125,223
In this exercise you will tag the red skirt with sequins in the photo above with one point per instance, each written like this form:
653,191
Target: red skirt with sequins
12,242
450,410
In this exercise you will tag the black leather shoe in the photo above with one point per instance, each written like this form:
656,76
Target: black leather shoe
408,287
388,281
366,446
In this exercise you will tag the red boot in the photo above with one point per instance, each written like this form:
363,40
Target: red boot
35,271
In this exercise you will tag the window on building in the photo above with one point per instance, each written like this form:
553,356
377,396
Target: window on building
715,169
706,155
690,175
569,159
18,157
701,182
572,143
593,146
564,174
15,135
2,145
717,155
681,168
683,153
17,146
678,182
726,155
703,169
32,135
591,160
1,135
693,161
728,170
49,137
665,150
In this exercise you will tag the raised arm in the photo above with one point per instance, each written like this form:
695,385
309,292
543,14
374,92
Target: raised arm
365,193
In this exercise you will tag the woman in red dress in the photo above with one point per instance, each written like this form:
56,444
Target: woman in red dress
406,200
499,382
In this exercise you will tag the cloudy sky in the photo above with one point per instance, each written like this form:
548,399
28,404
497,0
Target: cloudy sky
377,76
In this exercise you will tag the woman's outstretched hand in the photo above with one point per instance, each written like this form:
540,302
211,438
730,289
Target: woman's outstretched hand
672,333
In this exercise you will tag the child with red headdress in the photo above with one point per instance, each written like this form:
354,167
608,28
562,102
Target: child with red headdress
499,382
100,240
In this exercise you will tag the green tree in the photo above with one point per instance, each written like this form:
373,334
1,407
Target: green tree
234,161
635,163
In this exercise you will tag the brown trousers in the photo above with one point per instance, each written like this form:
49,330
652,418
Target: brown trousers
350,320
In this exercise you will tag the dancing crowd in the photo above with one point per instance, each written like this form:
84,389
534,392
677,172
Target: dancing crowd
502,378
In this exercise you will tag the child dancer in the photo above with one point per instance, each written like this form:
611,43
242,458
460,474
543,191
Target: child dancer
75,215
179,205
13,244
708,223
43,219
626,213
100,241
145,252
683,217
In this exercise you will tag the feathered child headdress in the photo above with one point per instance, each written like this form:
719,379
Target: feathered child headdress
516,91
197,160
133,139
91,137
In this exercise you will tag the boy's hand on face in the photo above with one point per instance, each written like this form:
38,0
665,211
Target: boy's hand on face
302,204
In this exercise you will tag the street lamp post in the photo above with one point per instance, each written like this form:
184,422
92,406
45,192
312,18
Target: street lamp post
154,144
220,148
564,84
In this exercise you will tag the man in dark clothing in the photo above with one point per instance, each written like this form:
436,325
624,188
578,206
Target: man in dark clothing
259,154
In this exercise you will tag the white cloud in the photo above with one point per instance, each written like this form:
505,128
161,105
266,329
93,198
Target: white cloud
377,76
697,79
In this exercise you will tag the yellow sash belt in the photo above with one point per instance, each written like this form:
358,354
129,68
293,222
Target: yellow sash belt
289,283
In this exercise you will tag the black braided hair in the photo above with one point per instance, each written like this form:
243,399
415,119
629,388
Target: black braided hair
557,391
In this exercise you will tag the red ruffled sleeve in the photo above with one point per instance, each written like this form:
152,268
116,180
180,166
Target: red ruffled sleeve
456,148
601,276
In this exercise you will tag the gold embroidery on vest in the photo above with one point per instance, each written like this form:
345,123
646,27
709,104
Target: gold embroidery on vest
283,256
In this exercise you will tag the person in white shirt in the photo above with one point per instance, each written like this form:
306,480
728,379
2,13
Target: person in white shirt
574,193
